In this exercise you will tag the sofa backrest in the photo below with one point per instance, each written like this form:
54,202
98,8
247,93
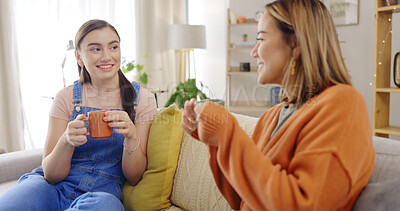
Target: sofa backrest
383,189
387,160
194,187
15,164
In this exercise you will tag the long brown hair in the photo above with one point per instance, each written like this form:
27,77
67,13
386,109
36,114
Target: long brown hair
320,63
127,91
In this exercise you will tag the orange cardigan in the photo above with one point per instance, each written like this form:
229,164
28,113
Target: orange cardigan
320,159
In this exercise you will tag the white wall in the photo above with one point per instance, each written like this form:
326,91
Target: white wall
357,46
211,62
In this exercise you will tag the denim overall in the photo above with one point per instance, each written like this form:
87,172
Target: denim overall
94,182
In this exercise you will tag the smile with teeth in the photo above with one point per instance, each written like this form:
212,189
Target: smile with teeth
105,67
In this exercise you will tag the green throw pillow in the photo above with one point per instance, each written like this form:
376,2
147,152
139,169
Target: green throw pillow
153,191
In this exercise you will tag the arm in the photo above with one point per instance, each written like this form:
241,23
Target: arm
134,164
62,137
189,125
317,176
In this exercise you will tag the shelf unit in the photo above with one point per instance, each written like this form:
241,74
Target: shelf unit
382,70
234,71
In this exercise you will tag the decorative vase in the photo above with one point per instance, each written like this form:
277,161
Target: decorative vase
396,69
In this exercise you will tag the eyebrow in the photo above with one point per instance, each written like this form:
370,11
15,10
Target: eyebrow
95,43
261,32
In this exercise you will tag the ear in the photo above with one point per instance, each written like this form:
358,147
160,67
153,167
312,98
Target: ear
78,58
296,50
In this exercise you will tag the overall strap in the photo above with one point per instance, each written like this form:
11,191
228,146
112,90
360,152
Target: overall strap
77,92
136,87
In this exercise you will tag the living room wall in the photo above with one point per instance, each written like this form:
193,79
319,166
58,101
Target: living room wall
357,44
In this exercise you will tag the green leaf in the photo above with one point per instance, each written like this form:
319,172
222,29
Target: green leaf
143,78
180,101
139,67
124,69
172,99
186,91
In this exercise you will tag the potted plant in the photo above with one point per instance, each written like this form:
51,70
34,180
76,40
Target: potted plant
186,91
143,77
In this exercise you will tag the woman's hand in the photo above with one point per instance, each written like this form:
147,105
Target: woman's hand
189,117
124,124
75,134
194,125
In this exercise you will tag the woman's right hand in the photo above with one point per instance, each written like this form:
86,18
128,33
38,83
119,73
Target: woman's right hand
189,118
75,134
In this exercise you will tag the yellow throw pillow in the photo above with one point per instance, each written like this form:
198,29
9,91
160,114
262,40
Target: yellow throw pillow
153,191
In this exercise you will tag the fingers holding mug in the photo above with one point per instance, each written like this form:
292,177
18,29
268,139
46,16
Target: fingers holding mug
76,131
121,122
188,116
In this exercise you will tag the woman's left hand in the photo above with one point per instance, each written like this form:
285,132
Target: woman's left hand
124,124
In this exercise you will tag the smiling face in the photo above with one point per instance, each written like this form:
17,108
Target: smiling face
272,52
100,53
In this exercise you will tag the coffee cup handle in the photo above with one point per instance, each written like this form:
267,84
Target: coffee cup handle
86,119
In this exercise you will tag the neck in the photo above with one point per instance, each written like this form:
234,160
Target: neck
108,85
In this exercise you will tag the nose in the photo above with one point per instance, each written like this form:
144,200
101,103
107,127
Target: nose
105,55
253,52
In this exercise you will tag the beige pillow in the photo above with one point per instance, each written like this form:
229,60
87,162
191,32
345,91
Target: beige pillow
194,186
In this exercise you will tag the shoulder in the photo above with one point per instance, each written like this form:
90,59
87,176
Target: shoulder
65,93
145,96
340,105
144,91
146,106
141,92
62,104
338,98
271,112
340,93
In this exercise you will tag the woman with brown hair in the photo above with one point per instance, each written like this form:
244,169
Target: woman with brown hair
79,172
311,152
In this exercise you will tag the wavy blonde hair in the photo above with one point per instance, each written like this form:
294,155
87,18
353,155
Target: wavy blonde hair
320,63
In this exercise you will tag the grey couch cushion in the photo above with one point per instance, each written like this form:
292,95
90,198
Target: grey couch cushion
15,164
387,160
379,197
383,189
6,186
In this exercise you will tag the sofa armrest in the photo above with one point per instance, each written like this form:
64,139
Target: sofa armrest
14,164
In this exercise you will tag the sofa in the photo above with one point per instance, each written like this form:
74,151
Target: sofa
193,187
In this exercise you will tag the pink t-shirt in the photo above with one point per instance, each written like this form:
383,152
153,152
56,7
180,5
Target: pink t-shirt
62,105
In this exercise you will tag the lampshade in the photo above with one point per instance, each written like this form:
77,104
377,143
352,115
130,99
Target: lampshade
182,36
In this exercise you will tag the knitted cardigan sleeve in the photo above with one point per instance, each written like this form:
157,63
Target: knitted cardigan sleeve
320,159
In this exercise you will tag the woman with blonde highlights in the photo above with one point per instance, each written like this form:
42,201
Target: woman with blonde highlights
311,152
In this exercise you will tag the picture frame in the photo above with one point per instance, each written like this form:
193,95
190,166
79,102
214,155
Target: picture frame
343,12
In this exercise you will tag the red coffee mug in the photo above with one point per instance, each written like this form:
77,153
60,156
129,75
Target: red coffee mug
98,128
